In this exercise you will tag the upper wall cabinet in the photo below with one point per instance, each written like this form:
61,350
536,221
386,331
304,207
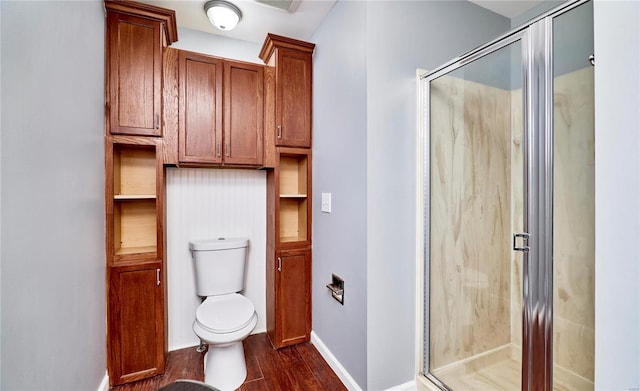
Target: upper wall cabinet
243,113
200,112
290,97
221,111
136,34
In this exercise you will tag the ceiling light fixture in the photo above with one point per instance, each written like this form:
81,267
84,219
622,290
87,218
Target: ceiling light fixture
222,14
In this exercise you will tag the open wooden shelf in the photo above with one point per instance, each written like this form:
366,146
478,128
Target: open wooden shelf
134,171
294,187
134,226
293,219
135,201
125,197
293,175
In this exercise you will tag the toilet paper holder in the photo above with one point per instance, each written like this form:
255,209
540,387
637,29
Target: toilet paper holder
337,288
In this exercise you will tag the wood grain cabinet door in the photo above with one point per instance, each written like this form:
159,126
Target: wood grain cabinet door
200,113
136,322
243,113
134,75
293,98
293,297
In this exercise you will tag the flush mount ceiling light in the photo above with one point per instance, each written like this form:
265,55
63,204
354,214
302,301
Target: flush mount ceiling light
222,14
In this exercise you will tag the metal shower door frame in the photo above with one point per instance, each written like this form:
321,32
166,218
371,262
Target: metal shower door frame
537,68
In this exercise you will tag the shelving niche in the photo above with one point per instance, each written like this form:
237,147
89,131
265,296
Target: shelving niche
293,193
134,199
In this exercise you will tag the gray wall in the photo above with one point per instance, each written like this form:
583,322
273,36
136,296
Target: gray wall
52,179
340,168
375,120
617,166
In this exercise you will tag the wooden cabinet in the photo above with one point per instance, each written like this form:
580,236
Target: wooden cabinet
289,248
134,241
135,322
292,304
221,109
134,187
200,112
290,95
288,85
243,113
136,34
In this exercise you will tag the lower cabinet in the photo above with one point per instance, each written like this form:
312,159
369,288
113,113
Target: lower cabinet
291,298
135,322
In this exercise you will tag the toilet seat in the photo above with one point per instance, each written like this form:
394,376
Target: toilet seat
225,314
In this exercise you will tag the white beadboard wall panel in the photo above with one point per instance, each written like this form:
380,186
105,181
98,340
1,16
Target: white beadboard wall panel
205,204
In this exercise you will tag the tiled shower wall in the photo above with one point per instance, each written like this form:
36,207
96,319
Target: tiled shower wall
205,204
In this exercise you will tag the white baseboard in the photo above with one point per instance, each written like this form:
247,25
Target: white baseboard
408,386
104,385
333,362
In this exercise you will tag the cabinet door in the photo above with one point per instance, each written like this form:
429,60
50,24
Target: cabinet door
293,297
200,114
243,113
293,98
134,75
136,322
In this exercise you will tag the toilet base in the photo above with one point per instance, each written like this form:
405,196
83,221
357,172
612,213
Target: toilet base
224,366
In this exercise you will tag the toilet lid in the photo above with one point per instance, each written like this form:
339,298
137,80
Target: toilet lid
225,314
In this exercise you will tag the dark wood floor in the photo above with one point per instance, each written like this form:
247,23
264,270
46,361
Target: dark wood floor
298,367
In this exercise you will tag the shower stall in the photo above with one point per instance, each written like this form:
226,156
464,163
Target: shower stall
509,211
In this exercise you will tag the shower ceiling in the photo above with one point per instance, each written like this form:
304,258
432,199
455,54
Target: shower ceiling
299,20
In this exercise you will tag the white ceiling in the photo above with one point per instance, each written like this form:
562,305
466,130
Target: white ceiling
508,8
259,19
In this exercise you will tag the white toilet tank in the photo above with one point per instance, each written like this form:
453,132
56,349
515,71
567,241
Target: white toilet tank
219,265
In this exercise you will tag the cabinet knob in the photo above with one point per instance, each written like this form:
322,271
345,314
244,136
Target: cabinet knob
279,131
158,277
226,149
156,121
218,150
279,264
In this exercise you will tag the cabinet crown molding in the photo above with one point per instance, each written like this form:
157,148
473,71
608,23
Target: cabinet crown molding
274,41
165,16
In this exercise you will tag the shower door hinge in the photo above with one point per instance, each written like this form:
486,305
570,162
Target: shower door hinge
525,241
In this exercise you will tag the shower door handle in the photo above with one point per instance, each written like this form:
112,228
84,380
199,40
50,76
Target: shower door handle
525,242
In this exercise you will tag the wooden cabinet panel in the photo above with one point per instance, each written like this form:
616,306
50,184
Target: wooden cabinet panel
221,111
293,297
293,98
200,114
288,93
243,113
136,322
134,75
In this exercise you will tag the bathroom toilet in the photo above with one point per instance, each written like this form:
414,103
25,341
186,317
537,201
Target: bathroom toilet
225,317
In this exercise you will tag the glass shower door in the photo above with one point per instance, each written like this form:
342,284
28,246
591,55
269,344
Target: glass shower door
476,199
573,200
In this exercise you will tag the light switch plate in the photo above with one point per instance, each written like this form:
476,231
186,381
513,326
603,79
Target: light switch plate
326,202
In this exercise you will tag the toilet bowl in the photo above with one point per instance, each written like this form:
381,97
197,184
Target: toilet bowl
225,318
222,322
